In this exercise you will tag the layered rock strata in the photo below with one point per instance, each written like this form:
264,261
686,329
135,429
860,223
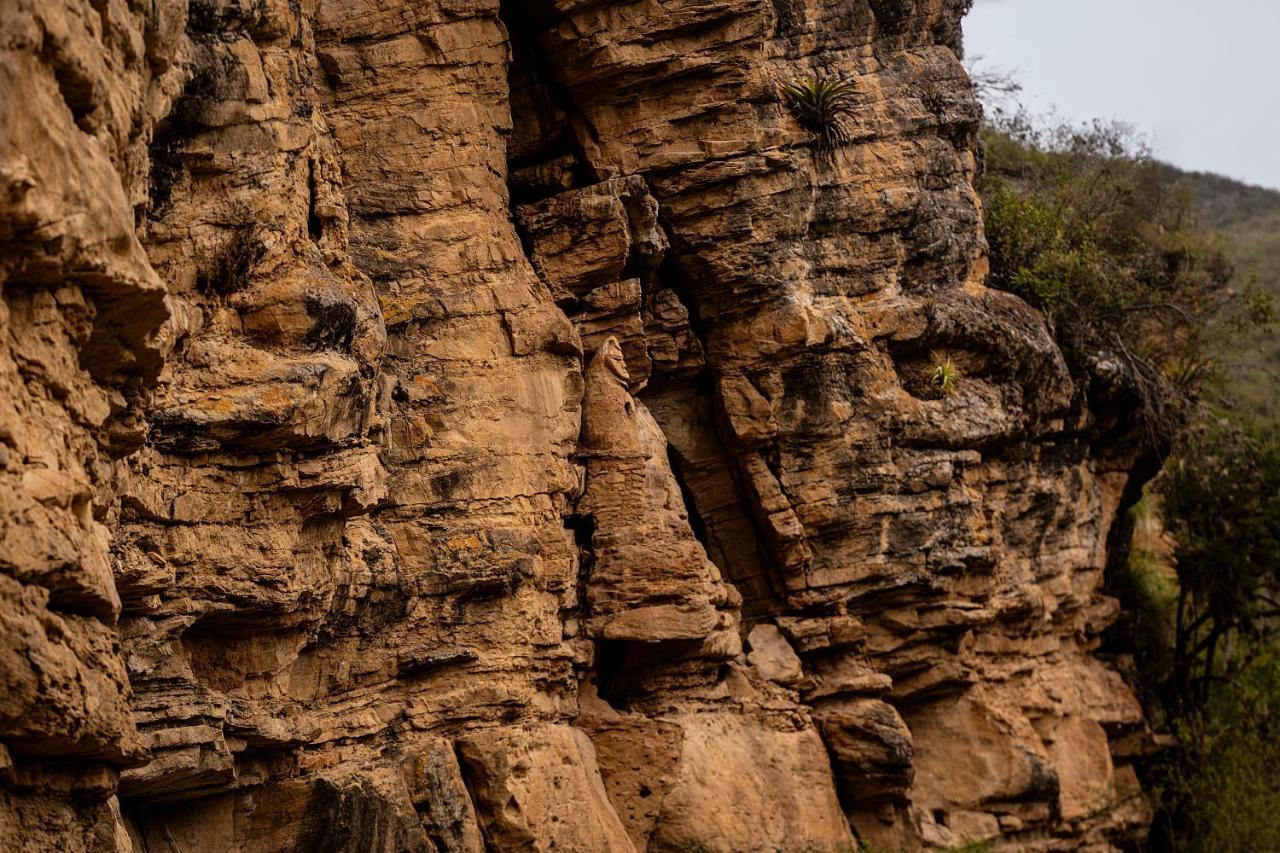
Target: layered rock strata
459,424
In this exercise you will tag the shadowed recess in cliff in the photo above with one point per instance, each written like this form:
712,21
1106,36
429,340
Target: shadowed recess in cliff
543,154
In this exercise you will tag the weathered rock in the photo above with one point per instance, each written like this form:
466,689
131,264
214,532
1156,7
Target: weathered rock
637,757
746,783
436,787
354,812
649,578
772,656
540,789
871,748
387,381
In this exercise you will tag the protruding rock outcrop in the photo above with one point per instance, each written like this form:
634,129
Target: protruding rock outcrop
649,579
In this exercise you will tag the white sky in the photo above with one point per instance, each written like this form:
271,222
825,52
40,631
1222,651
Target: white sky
1200,79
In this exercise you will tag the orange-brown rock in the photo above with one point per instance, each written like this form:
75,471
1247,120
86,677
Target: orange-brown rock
495,424
648,578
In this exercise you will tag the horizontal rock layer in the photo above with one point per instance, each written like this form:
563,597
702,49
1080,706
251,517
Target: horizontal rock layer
463,425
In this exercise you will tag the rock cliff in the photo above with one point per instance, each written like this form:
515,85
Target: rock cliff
450,425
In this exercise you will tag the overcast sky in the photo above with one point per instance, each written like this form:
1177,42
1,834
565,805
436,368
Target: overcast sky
1201,79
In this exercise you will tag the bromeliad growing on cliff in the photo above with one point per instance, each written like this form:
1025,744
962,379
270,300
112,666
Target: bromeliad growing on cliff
945,376
822,106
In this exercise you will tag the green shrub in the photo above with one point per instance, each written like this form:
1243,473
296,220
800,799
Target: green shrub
1221,498
1222,779
1209,654
1085,226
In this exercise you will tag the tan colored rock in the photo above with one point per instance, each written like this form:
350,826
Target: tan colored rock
772,655
638,757
969,755
539,789
650,579
355,811
1078,749
440,796
608,223
65,689
871,749
379,377
743,785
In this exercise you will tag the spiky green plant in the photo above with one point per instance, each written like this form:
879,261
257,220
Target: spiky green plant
946,376
821,105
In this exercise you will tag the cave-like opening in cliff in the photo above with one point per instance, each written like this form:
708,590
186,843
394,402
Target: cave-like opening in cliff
543,154
629,672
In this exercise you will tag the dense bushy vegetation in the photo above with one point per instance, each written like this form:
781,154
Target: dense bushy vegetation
1248,220
1134,269
1215,669
1085,226
1221,782
1221,497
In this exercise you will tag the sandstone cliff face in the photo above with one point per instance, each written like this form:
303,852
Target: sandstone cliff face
460,425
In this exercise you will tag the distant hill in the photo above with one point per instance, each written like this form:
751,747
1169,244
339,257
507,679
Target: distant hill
1224,202
1248,219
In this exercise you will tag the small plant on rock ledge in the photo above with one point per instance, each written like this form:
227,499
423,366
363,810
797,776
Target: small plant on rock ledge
821,105
946,377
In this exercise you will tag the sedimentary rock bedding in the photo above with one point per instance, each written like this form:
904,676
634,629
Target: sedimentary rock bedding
461,425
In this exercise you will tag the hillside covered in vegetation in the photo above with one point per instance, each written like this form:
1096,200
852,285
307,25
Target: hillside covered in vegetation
1246,219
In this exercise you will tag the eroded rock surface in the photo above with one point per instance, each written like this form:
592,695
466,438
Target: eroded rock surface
460,424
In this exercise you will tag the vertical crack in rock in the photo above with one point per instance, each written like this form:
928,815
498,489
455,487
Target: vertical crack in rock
696,525
543,153
712,486
665,625
650,579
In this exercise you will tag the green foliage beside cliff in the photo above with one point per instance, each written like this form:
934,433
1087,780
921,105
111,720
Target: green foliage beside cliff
1247,220
1172,277
1084,225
